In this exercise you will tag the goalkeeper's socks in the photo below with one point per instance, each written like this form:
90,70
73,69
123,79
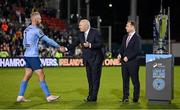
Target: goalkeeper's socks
22,88
45,88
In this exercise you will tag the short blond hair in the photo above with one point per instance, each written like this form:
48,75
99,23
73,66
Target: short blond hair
34,14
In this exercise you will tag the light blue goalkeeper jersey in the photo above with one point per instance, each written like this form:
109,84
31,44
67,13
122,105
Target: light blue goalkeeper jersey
31,37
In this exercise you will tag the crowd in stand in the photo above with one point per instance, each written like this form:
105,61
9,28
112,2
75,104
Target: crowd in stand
14,18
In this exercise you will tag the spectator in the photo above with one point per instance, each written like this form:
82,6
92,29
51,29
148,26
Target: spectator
4,27
4,54
58,55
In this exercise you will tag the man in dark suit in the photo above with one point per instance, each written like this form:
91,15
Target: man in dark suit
92,44
128,55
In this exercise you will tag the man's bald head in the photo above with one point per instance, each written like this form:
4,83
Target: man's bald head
84,25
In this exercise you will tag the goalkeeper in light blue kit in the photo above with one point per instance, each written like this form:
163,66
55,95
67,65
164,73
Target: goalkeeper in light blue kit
32,35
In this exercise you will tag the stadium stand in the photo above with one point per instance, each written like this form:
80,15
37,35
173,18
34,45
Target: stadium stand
14,17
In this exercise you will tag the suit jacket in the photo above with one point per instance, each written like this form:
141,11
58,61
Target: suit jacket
133,49
93,37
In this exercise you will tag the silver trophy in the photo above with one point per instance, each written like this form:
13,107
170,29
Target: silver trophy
161,32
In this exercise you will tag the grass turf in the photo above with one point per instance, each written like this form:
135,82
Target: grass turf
71,84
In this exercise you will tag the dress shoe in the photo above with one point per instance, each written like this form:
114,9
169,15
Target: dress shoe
124,100
135,100
89,99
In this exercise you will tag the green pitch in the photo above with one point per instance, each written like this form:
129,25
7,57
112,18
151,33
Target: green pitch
71,84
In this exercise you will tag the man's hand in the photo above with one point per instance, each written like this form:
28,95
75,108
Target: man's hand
125,59
119,57
87,44
62,49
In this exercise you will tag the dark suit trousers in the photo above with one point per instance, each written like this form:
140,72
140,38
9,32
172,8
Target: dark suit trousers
130,70
93,70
